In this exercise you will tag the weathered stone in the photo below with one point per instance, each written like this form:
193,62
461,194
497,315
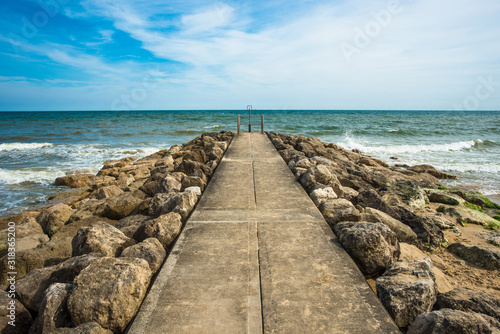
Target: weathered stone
317,174
407,289
182,203
157,201
404,232
432,171
53,311
486,257
19,314
129,225
322,194
121,206
470,301
405,193
31,287
29,234
168,184
70,230
75,180
371,199
372,245
448,321
54,218
100,238
150,250
109,292
164,228
346,215
107,192
47,254
467,216
443,223
196,190
411,253
444,197
330,208
193,181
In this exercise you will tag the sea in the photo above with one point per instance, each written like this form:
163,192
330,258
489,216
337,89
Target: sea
38,147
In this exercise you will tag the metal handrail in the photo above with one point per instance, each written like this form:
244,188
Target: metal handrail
250,123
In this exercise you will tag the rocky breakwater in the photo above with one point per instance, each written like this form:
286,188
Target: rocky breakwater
85,259
392,221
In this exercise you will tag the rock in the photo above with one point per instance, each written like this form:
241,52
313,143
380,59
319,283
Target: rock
182,203
75,180
305,163
317,174
109,291
189,166
196,190
86,328
71,230
470,301
157,201
107,192
486,257
432,171
164,228
53,312
404,232
121,206
330,208
348,193
19,313
193,181
467,216
407,289
371,199
29,234
47,254
448,321
346,215
129,225
168,184
405,192
411,253
54,218
31,287
444,197
443,223
150,250
100,238
372,245
322,194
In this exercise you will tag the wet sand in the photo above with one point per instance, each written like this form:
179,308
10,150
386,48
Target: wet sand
495,198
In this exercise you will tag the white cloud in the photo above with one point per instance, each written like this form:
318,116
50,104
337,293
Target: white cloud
208,21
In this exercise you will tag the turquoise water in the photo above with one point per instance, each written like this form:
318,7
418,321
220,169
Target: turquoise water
37,147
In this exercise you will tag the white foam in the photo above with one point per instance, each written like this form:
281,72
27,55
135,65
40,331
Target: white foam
17,176
6,147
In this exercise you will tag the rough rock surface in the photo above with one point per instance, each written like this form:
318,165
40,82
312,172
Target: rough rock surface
322,194
182,203
54,218
372,245
29,234
486,257
404,232
109,291
86,328
164,228
120,206
100,238
150,250
21,315
31,288
53,312
407,289
467,216
448,321
470,301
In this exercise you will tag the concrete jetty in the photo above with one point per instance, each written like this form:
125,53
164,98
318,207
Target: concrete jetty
256,256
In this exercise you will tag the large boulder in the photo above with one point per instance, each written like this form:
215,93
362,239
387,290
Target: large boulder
182,203
100,238
432,171
54,218
31,288
193,181
466,215
121,206
470,301
317,174
129,225
407,289
322,194
13,310
164,228
70,230
331,207
168,184
53,311
371,199
404,232
447,321
107,192
150,250
486,257
29,234
109,291
45,255
444,197
75,180
372,245
86,328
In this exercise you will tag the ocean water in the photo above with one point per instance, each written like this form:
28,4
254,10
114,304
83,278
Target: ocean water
37,147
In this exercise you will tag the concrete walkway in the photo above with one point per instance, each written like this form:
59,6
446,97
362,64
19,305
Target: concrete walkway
256,256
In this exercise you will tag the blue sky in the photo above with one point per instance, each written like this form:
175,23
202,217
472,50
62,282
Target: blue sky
296,54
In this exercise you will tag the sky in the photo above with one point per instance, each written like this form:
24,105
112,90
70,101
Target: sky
273,54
